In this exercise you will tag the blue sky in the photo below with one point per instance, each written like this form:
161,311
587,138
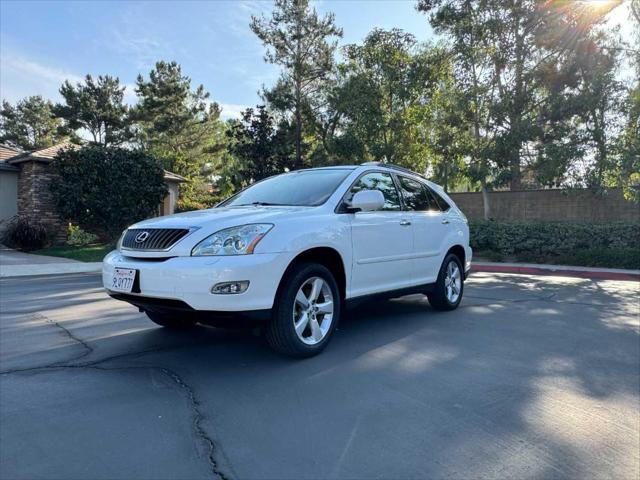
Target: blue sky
44,42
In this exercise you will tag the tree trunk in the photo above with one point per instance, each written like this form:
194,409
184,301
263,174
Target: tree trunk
485,202
298,91
514,168
298,134
518,105
446,175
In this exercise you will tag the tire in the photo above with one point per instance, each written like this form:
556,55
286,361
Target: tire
169,320
441,297
299,330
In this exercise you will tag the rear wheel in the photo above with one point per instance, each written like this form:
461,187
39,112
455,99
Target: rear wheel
170,320
449,286
306,311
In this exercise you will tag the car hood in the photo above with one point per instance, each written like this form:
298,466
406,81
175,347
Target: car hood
222,217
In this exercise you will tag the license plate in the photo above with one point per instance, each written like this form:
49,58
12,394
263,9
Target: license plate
123,279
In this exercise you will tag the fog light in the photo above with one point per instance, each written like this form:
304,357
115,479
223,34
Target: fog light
230,288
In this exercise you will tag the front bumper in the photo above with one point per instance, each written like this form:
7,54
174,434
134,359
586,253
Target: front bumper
189,279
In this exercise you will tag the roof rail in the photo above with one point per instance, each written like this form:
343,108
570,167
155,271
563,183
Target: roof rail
394,167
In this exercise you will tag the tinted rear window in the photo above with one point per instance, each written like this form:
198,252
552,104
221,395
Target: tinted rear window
441,202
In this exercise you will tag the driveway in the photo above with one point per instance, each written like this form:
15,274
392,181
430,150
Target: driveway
531,377
14,257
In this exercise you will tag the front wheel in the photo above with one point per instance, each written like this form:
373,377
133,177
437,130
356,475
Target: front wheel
449,286
306,311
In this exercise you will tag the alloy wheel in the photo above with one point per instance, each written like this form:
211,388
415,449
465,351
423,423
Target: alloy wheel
453,282
313,310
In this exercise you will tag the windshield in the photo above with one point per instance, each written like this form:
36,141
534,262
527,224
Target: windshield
304,188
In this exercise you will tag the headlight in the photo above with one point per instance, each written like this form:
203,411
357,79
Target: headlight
232,241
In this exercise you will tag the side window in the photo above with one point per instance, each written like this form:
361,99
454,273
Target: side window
441,203
378,181
414,194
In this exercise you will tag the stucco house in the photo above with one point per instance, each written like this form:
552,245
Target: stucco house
24,181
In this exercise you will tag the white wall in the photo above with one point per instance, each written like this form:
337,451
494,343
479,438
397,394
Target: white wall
168,205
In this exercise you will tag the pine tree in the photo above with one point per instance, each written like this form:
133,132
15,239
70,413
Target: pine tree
30,124
303,44
98,107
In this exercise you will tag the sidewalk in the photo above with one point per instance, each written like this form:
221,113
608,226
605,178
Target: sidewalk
557,270
49,269
20,264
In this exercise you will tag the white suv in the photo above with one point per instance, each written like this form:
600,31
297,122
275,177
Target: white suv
292,250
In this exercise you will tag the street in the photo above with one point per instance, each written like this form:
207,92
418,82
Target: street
532,377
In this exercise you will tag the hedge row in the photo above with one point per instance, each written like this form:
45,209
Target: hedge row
612,244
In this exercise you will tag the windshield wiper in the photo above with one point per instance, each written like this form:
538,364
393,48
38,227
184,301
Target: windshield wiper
260,204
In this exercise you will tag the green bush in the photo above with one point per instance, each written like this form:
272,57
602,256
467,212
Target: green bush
26,235
187,205
105,189
77,237
606,245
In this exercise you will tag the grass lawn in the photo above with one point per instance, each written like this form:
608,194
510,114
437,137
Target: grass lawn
90,253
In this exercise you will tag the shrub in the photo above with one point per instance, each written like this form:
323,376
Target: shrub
77,237
188,205
105,189
23,234
608,244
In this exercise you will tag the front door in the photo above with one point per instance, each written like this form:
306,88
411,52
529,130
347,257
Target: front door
382,240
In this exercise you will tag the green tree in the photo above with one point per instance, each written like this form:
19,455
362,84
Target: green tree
96,106
303,44
506,48
179,126
260,147
30,124
629,150
462,23
386,98
600,95
447,131
105,189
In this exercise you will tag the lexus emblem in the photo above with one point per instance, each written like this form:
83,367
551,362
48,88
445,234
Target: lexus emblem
141,237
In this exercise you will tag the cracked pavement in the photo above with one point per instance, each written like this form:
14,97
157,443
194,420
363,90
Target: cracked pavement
533,377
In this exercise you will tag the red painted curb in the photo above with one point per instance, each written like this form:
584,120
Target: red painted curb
557,273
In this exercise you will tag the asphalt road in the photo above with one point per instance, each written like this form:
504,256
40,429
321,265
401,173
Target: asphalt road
533,377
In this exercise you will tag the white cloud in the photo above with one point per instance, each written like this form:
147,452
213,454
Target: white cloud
231,110
20,77
143,51
253,7
22,65
136,38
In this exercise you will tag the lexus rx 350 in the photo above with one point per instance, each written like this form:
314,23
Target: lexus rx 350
292,250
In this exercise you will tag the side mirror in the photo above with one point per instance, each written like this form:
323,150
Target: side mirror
367,201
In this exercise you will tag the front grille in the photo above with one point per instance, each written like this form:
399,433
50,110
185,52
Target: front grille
152,238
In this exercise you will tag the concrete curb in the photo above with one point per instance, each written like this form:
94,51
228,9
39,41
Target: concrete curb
9,271
557,271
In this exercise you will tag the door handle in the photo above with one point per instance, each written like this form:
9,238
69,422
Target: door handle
405,223
445,221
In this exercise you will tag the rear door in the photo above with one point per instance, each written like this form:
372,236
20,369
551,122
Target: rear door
430,228
382,241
